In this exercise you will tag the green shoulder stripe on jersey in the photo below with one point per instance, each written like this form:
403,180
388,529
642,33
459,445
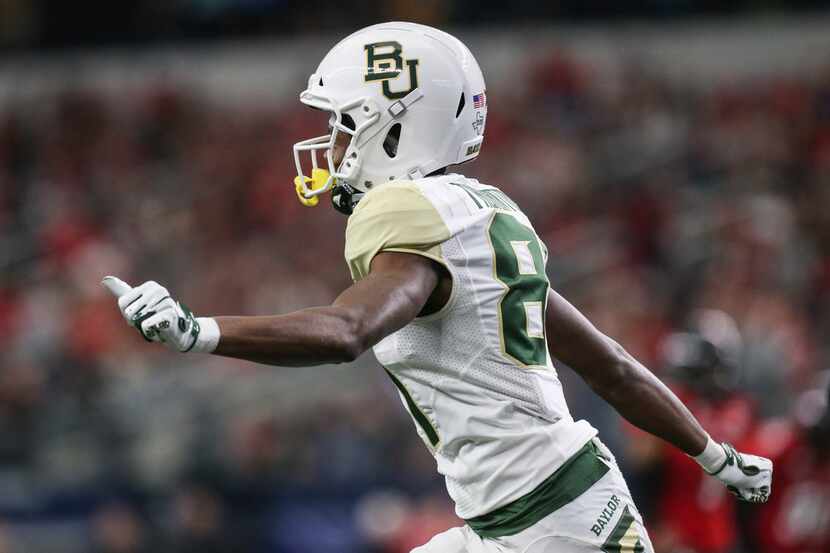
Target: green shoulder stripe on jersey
571,480
624,538
417,414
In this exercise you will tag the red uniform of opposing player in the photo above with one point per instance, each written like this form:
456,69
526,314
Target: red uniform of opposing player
797,520
692,515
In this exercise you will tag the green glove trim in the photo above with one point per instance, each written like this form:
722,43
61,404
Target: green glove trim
139,318
194,326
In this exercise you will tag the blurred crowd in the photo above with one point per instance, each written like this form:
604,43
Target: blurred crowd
27,25
655,200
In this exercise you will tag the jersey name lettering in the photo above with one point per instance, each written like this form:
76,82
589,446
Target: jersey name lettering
493,198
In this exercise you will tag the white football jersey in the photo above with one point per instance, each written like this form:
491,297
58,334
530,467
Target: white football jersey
475,376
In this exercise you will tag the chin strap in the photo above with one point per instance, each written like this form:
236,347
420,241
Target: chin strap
344,198
400,106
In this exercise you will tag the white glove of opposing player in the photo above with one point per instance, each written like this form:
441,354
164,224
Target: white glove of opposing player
749,477
159,318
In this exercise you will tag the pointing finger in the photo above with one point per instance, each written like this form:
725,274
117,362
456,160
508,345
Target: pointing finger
116,286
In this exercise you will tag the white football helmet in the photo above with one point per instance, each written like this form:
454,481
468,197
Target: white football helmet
412,99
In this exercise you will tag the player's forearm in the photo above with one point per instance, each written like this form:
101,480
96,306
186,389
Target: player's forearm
643,400
314,336
397,289
647,403
388,299
629,387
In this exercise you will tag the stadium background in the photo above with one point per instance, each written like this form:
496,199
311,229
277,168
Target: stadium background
673,156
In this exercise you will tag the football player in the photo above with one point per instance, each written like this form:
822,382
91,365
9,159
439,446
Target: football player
797,520
451,292
693,512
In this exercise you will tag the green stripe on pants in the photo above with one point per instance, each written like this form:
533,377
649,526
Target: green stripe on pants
571,480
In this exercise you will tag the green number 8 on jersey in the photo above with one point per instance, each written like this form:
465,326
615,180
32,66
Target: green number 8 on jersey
519,264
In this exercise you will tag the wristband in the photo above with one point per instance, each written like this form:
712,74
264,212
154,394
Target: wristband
712,458
208,337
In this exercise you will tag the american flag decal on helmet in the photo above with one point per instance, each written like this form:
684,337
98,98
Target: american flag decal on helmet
479,101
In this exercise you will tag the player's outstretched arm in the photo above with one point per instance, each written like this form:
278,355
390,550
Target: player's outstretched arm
389,298
645,401
396,290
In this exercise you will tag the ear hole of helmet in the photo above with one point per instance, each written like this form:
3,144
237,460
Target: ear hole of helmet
393,137
461,103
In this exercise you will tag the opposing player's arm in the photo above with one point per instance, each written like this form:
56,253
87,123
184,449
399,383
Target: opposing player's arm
395,291
643,400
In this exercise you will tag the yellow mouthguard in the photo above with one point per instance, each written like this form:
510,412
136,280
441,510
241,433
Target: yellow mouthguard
319,178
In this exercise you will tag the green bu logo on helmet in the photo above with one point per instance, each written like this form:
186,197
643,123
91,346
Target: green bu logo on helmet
384,63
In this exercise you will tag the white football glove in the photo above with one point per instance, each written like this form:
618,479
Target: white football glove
749,477
159,318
